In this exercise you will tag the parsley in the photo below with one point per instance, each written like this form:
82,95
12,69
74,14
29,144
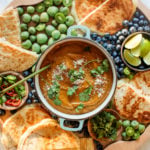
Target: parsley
57,101
72,90
75,75
79,107
85,95
62,67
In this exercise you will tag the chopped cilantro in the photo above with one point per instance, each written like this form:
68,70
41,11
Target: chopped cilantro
85,95
58,77
62,66
57,101
79,107
72,90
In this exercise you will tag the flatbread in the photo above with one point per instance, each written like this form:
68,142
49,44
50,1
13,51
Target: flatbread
17,124
49,136
132,98
109,16
15,58
10,26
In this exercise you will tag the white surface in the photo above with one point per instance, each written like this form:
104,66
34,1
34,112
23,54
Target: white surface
3,4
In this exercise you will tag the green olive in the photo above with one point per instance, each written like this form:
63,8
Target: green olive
32,38
40,8
32,30
24,35
44,17
126,123
42,38
51,41
24,27
134,124
62,36
141,128
62,28
125,137
44,47
49,29
60,17
48,3
136,136
36,48
36,18
54,23
20,11
130,131
52,11
26,18
56,35
69,21
40,27
27,44
30,9
64,10
57,2
67,3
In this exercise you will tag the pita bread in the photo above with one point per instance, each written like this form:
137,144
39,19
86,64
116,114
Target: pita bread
10,26
109,16
49,136
132,98
15,58
17,124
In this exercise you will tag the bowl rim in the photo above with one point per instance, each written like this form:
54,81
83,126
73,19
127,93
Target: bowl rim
26,88
76,116
122,49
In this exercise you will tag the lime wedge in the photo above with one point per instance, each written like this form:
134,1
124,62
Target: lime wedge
146,59
134,41
145,47
132,60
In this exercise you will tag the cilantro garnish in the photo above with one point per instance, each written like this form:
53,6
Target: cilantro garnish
62,67
79,107
72,90
104,67
75,75
85,95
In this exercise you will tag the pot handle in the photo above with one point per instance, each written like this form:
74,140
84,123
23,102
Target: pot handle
83,28
81,123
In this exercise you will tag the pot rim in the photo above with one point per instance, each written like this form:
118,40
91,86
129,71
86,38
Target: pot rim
76,116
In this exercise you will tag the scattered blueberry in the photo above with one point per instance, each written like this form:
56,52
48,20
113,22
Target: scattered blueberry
130,24
141,22
30,95
2,112
147,28
32,85
105,45
121,38
26,73
141,17
30,80
94,36
137,14
136,25
120,70
118,47
106,35
132,29
118,33
114,38
114,54
125,32
36,101
98,39
140,28
135,20
125,23
109,47
104,39
118,42
141,67
117,60
122,65
145,22
29,101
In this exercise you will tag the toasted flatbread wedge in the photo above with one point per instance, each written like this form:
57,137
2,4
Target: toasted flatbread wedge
10,26
109,16
132,98
15,58
47,135
17,124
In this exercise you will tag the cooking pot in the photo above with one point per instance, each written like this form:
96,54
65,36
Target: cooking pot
81,117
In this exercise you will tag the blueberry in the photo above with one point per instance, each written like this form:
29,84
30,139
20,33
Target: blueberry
132,29
122,65
26,73
104,39
36,101
125,23
29,101
30,95
118,75
113,47
137,14
147,28
114,54
118,47
106,35
120,70
136,25
109,47
125,32
105,45
2,112
135,20
94,36
141,22
32,85
29,80
114,38
145,22
141,17
118,42
121,38
34,92
117,60
98,39
118,33
130,24
113,42
140,28
110,38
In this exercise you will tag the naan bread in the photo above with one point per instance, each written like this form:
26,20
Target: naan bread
17,124
48,135
15,58
109,16
10,26
132,98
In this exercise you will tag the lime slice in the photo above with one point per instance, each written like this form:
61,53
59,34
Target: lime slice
146,59
145,47
132,60
134,41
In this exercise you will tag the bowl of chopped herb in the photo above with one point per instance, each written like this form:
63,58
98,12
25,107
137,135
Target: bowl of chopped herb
81,79
15,97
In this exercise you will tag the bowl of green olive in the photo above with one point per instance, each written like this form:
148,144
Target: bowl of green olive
15,97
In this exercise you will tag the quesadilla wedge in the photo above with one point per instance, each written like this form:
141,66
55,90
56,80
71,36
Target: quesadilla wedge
17,124
15,58
49,136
